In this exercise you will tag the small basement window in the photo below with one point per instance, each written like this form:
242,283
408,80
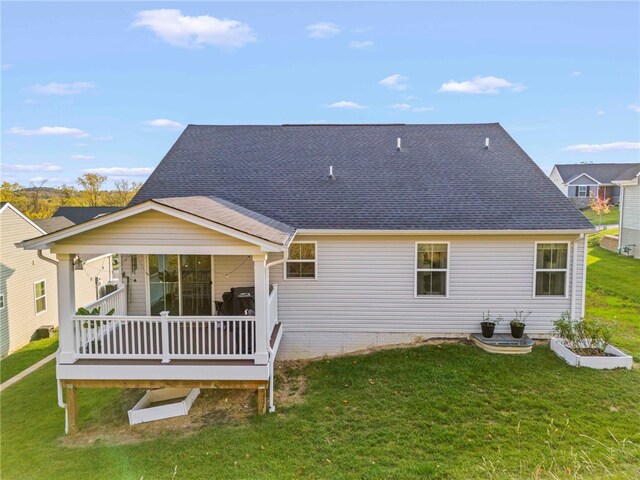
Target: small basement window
302,260
432,269
40,294
551,269
1,301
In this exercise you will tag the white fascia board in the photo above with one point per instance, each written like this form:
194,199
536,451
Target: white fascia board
443,232
46,241
583,175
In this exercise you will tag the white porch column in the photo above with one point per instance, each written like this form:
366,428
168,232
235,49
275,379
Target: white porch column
66,306
261,285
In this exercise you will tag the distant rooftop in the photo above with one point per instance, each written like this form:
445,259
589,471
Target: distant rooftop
602,172
82,214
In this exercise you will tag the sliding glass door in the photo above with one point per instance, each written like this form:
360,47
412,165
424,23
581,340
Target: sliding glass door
180,284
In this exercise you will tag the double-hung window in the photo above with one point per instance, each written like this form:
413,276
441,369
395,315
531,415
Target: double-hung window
302,261
551,269
582,191
40,295
432,269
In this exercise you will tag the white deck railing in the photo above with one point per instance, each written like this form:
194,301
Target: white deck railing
163,338
272,310
115,300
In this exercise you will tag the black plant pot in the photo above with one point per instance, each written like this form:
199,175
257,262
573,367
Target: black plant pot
517,330
487,329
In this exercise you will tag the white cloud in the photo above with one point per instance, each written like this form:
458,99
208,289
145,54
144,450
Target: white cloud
164,123
185,31
482,85
405,107
323,30
121,171
600,112
104,138
602,147
62,88
32,167
42,131
576,73
82,157
635,107
361,44
347,104
50,180
394,82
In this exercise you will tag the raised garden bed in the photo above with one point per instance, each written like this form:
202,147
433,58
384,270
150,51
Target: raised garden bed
163,403
612,357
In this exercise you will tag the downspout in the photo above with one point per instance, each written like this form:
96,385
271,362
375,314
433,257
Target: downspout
574,277
46,259
272,407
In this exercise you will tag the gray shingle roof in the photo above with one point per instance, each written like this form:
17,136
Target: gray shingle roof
443,179
82,214
53,224
233,216
630,173
602,172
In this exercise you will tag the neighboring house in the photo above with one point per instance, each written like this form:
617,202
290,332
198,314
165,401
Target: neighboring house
349,237
28,283
583,181
629,236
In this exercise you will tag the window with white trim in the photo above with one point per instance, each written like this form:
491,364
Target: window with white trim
40,294
432,269
1,301
551,269
582,191
302,260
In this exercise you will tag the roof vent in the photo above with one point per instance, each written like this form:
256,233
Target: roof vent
399,145
486,143
331,175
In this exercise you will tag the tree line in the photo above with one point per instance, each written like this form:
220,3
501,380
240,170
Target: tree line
40,201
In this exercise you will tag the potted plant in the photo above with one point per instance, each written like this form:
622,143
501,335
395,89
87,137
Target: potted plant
585,343
488,324
519,322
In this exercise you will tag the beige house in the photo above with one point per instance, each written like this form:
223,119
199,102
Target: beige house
629,236
249,243
28,282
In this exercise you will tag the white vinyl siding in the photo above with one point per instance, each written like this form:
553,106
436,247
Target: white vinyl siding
630,219
366,286
96,271
136,281
231,271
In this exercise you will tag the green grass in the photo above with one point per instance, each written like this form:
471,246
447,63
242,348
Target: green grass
611,218
27,356
449,411
613,293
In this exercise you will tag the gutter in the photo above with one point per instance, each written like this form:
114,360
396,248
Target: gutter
444,232
46,259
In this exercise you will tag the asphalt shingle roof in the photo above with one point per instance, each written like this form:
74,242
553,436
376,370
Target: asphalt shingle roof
233,216
53,224
443,179
82,214
602,172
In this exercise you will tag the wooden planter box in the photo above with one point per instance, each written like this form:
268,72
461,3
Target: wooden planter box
142,412
618,360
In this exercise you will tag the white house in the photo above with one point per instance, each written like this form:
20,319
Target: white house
28,284
249,242
629,236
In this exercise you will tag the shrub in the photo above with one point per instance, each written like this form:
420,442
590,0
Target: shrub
590,333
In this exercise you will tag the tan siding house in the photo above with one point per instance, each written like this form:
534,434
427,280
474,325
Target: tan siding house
629,237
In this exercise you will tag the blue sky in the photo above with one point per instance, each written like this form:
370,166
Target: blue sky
107,86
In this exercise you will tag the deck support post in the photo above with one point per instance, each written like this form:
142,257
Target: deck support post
72,408
261,284
262,400
66,307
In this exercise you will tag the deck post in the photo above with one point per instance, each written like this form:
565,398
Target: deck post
66,307
262,400
260,274
164,329
72,408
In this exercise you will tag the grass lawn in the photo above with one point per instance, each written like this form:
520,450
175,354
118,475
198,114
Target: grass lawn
611,218
449,411
27,356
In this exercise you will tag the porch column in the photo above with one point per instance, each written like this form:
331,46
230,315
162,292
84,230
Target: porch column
66,306
261,285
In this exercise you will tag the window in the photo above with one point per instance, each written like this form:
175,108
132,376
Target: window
1,301
180,284
551,269
432,266
582,191
302,260
40,293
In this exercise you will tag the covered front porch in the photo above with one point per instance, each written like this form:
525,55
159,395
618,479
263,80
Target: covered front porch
172,319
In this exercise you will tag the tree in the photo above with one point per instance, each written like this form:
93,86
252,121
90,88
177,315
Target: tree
599,205
14,194
36,197
91,184
68,195
124,192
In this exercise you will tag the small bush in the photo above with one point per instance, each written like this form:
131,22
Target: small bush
591,333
